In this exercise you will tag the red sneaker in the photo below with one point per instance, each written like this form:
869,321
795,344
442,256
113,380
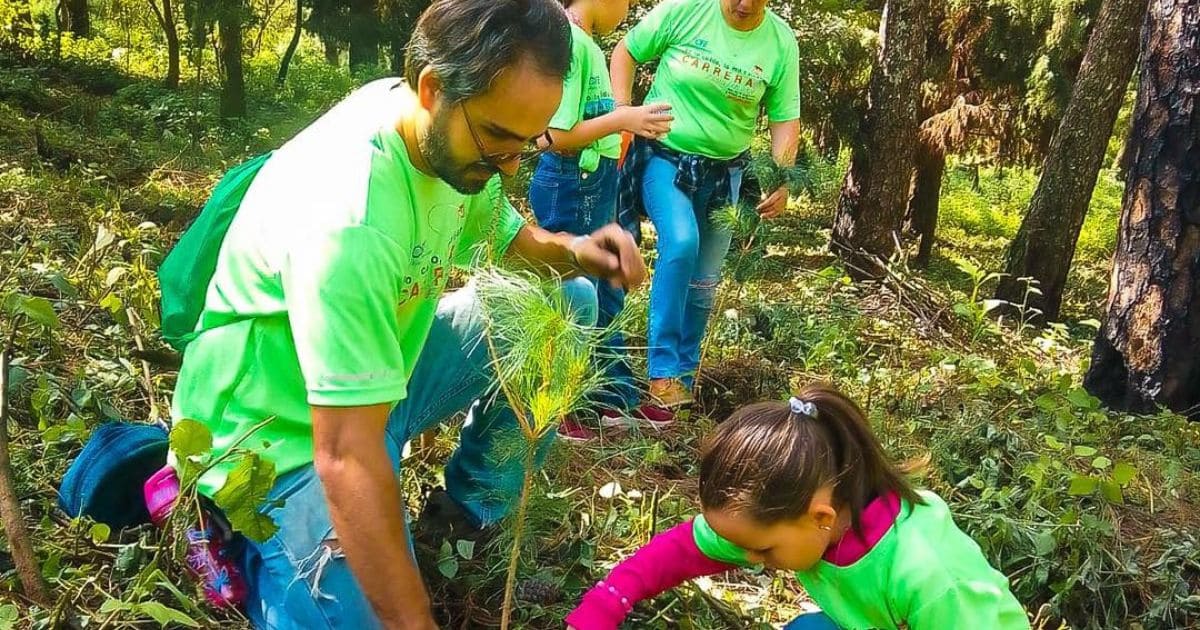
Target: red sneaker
572,430
655,417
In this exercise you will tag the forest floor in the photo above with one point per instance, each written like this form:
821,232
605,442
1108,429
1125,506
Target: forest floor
1094,515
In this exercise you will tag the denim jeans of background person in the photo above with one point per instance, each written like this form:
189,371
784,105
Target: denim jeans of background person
566,198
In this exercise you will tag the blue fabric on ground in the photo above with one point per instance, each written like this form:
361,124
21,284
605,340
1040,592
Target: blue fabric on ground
105,480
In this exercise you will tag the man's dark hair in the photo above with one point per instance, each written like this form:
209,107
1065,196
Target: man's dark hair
469,42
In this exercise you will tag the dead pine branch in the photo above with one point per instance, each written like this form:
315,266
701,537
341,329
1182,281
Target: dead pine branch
10,509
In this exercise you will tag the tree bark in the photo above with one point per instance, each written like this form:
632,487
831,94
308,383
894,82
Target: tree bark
332,51
15,529
926,190
233,89
78,20
1044,246
364,33
166,20
1146,353
291,49
875,192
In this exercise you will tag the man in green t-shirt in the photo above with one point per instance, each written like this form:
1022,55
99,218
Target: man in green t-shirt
325,316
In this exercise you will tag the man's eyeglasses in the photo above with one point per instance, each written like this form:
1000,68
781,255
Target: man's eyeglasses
498,160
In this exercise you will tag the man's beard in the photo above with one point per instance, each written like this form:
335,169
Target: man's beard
435,147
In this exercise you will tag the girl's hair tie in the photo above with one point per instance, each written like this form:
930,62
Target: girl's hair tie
803,407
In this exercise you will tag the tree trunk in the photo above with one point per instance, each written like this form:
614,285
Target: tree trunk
166,21
332,52
233,90
364,33
291,49
1146,353
875,191
923,206
78,20
172,44
1042,251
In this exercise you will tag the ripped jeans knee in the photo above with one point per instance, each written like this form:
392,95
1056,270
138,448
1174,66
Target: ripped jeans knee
311,568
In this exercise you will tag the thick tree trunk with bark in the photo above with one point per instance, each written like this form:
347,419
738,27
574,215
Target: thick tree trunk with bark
291,49
332,50
364,33
926,190
1147,352
1044,246
78,22
15,528
875,192
233,89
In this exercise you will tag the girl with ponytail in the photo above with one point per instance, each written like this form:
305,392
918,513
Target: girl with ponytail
805,486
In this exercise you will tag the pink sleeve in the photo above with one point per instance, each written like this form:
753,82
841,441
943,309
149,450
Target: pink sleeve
668,560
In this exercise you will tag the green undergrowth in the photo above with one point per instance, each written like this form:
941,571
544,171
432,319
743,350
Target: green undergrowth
1092,514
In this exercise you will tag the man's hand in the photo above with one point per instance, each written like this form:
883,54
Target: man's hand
611,254
648,121
774,204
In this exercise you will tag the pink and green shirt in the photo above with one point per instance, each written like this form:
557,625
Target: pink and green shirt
910,567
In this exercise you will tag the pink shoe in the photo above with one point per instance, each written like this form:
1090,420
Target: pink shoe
207,558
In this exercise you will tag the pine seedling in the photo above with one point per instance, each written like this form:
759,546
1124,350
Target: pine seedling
543,361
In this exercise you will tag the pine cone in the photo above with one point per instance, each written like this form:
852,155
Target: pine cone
541,592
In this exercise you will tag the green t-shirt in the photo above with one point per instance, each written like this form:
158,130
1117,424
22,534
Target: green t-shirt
328,280
924,574
716,78
587,94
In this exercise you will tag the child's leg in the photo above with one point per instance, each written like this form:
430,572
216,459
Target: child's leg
812,621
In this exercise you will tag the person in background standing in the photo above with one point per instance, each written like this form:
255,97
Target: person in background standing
574,188
720,62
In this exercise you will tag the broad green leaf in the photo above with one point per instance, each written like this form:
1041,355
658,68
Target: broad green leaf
1111,491
244,492
1081,399
37,309
466,548
100,533
1043,543
112,605
1101,463
1123,473
1054,442
1046,402
190,438
1084,451
166,615
1081,486
447,563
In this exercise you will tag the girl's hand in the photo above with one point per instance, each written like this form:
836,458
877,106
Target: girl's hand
773,205
648,121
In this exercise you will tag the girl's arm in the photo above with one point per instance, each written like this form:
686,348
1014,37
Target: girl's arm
621,70
668,560
649,121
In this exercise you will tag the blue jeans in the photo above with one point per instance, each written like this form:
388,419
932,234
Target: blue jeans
296,580
812,621
691,251
564,199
